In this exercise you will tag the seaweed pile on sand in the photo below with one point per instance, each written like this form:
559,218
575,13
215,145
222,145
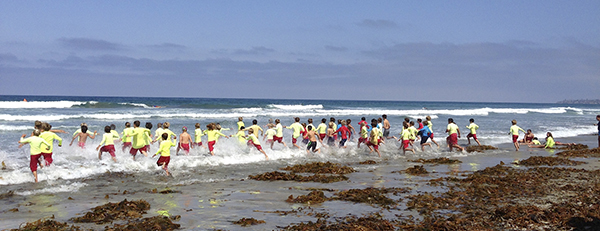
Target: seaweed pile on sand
506,198
440,160
480,148
369,222
47,225
318,168
248,222
151,223
548,161
595,152
114,211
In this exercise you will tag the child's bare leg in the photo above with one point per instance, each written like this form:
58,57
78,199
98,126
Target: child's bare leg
145,153
165,168
35,176
476,140
100,155
114,159
263,152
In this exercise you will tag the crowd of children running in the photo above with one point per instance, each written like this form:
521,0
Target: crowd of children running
138,139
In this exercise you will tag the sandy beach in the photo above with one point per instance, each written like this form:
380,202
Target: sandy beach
217,204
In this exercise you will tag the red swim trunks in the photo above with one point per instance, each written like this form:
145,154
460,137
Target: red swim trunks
163,159
453,139
258,147
47,158
81,144
33,162
322,136
211,145
185,147
134,151
126,144
199,144
109,148
278,139
515,138
472,135
375,146
294,140
431,135
405,143
362,140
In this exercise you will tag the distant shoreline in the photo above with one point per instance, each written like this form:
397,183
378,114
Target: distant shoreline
580,101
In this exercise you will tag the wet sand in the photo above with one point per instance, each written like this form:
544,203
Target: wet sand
232,196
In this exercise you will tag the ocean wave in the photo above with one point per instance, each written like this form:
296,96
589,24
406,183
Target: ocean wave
15,128
40,104
295,107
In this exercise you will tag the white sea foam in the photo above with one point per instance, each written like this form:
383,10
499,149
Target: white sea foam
73,187
39,104
137,105
296,107
14,128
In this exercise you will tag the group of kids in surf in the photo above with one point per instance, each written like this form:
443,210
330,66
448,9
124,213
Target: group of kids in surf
138,139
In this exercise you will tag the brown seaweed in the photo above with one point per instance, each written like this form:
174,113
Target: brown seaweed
548,161
273,176
480,148
320,167
47,225
152,223
248,221
112,211
441,160
313,197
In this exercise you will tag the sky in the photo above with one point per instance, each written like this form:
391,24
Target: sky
470,51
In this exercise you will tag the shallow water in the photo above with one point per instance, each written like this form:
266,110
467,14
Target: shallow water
214,190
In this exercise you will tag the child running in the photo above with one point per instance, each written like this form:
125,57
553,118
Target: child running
345,133
374,139
430,125
311,135
241,135
212,135
406,137
198,135
425,132
35,143
514,131
125,136
184,141
165,152
140,139
473,128
322,129
453,135
364,135
270,134
49,137
279,135
109,144
296,129
82,136
252,138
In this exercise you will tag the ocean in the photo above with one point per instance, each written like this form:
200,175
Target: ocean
216,187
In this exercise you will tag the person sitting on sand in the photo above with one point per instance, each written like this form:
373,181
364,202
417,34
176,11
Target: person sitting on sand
528,139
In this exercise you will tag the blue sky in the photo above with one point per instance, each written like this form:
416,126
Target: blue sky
496,51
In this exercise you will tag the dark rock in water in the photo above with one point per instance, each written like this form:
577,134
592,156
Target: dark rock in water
480,148
441,160
313,197
47,225
548,160
320,167
416,170
248,221
153,223
113,211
